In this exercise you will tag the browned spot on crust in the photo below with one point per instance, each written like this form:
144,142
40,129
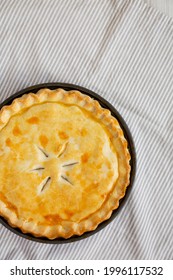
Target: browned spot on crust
95,184
63,135
83,132
43,140
8,204
53,219
33,120
8,142
85,157
110,174
92,187
68,214
17,131
99,165
57,148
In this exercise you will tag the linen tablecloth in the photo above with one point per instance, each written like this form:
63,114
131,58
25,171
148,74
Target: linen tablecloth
122,50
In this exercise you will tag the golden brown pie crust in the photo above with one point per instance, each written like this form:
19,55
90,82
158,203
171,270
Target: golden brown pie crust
54,214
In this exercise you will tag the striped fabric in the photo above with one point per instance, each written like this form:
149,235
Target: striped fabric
122,50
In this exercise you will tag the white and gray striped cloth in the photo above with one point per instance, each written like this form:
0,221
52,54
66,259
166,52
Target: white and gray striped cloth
122,50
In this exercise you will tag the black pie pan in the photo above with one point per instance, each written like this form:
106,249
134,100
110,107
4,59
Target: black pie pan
105,104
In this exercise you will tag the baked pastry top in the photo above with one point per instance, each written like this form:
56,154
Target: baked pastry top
64,163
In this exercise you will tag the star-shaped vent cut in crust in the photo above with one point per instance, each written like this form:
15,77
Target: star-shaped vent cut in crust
62,170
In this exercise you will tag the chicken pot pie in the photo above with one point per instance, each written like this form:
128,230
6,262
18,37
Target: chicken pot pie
64,163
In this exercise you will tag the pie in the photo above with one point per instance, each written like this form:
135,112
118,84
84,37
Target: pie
64,163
